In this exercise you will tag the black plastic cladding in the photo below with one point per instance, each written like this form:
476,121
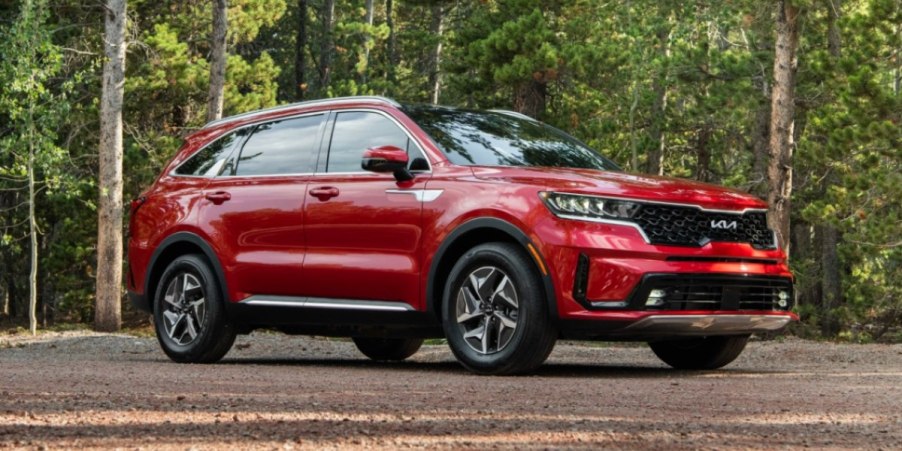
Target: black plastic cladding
687,226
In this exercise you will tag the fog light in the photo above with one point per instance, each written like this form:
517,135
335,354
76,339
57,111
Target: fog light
656,298
783,302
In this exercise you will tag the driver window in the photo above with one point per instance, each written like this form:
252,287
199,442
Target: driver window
356,131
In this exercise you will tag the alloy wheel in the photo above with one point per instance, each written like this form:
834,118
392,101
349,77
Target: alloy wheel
487,310
184,309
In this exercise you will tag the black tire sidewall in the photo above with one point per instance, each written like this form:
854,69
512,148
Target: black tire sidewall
214,316
532,312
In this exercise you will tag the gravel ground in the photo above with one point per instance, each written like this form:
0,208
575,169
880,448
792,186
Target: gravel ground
87,390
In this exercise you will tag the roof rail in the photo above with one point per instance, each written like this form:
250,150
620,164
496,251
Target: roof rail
515,114
335,100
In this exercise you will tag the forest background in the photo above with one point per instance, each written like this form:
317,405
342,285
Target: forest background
797,101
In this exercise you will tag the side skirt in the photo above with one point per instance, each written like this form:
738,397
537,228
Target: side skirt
333,317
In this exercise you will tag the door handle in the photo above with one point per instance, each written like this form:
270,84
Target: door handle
218,197
324,193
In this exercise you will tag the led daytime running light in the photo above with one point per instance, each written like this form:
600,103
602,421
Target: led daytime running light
589,206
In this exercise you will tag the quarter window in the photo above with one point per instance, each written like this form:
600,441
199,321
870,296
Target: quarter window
209,161
281,147
356,131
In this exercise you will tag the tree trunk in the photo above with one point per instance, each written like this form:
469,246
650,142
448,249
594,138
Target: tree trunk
107,313
760,143
33,236
367,41
529,98
325,58
779,169
4,299
831,278
218,59
300,46
392,41
659,108
703,149
435,60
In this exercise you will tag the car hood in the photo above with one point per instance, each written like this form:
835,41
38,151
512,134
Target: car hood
624,185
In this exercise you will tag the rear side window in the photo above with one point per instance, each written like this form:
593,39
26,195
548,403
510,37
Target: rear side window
209,161
281,147
356,131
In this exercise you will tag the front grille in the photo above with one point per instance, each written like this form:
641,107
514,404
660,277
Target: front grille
688,292
688,226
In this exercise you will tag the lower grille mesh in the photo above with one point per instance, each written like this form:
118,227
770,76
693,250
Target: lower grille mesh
718,293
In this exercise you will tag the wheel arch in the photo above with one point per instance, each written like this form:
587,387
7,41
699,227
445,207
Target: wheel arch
174,246
473,233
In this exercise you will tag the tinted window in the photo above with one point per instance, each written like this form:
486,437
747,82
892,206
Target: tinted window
282,147
209,160
357,131
496,139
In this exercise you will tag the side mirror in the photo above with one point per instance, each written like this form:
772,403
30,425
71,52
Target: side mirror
387,159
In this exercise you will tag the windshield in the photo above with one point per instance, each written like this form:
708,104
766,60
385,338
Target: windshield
486,138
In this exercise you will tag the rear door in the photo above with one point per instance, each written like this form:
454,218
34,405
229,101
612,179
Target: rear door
364,229
255,207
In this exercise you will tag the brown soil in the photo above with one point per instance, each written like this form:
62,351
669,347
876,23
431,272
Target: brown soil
86,390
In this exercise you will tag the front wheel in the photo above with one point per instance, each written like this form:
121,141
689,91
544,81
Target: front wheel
189,316
704,353
495,312
388,349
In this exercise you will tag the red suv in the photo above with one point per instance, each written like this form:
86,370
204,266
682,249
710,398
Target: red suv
389,223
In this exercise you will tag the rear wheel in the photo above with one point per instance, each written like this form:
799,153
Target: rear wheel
704,353
495,313
189,317
388,349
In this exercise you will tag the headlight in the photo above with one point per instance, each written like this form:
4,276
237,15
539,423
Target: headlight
589,207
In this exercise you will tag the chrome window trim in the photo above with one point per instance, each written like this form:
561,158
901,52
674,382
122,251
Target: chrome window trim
410,136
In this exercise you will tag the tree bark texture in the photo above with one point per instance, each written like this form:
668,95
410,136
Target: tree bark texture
530,98
659,108
779,169
107,312
703,171
300,46
831,279
33,237
218,59
392,40
367,41
435,60
326,47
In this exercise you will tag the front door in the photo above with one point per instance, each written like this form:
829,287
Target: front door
364,229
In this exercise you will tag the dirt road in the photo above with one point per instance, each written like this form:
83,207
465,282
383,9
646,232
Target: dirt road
83,390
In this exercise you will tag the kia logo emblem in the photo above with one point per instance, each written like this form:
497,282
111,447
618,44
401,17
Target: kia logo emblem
723,224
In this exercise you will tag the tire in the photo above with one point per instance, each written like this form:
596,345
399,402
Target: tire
511,312
388,349
192,328
705,353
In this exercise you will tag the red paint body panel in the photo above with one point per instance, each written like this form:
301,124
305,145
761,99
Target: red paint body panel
360,236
